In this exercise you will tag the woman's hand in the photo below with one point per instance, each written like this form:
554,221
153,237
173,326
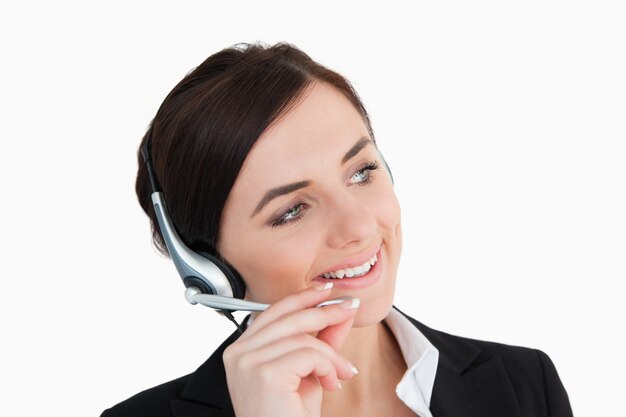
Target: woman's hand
277,368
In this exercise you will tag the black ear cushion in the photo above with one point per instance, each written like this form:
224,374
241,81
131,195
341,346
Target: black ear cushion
234,277
200,283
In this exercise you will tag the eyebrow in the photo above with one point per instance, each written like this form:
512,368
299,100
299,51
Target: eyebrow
289,188
356,148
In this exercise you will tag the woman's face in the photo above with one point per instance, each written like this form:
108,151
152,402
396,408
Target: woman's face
307,201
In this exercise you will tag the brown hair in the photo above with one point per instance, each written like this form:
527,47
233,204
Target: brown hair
208,123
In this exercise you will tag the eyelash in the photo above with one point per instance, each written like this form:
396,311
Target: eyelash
370,168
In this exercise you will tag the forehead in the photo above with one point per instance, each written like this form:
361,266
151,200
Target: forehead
318,130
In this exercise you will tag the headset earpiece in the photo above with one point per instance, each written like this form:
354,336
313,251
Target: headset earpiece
203,271
386,166
234,277
213,274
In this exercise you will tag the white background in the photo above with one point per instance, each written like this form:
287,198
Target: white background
503,123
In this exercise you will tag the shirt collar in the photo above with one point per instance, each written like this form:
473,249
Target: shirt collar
421,357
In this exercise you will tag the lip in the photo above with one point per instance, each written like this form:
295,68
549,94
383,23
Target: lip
354,261
363,281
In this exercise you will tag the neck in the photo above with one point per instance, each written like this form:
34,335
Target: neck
376,354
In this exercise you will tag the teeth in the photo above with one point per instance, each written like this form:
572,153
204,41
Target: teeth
352,272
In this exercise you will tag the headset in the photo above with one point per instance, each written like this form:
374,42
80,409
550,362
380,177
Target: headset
208,280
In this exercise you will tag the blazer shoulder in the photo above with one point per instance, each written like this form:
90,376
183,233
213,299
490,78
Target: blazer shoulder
202,392
518,359
513,355
533,375
154,402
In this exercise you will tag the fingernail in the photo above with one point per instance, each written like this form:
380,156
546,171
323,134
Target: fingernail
350,304
352,368
338,384
324,286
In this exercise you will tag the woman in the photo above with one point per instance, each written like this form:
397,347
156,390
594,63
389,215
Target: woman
268,161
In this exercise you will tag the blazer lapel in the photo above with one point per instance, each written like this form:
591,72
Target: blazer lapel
468,383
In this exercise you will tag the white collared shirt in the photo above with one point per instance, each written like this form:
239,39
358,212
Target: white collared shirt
421,357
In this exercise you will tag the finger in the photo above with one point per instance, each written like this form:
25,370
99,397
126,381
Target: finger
287,371
252,359
310,320
308,297
336,335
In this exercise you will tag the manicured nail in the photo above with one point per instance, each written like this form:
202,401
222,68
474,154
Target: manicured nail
352,368
350,304
324,286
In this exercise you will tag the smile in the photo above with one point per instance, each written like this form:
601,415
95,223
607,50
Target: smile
356,275
352,272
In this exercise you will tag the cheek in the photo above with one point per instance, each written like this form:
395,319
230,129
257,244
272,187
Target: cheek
389,218
387,210
273,269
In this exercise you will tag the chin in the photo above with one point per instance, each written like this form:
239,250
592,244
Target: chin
373,311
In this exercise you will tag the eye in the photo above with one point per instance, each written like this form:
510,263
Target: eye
291,215
294,214
364,175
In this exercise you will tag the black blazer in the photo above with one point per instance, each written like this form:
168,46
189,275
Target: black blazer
474,379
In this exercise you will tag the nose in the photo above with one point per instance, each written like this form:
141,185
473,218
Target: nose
351,222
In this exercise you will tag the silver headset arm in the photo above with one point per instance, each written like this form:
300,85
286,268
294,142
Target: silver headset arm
187,262
194,296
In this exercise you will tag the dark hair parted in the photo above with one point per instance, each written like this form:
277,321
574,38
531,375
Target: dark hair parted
208,123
